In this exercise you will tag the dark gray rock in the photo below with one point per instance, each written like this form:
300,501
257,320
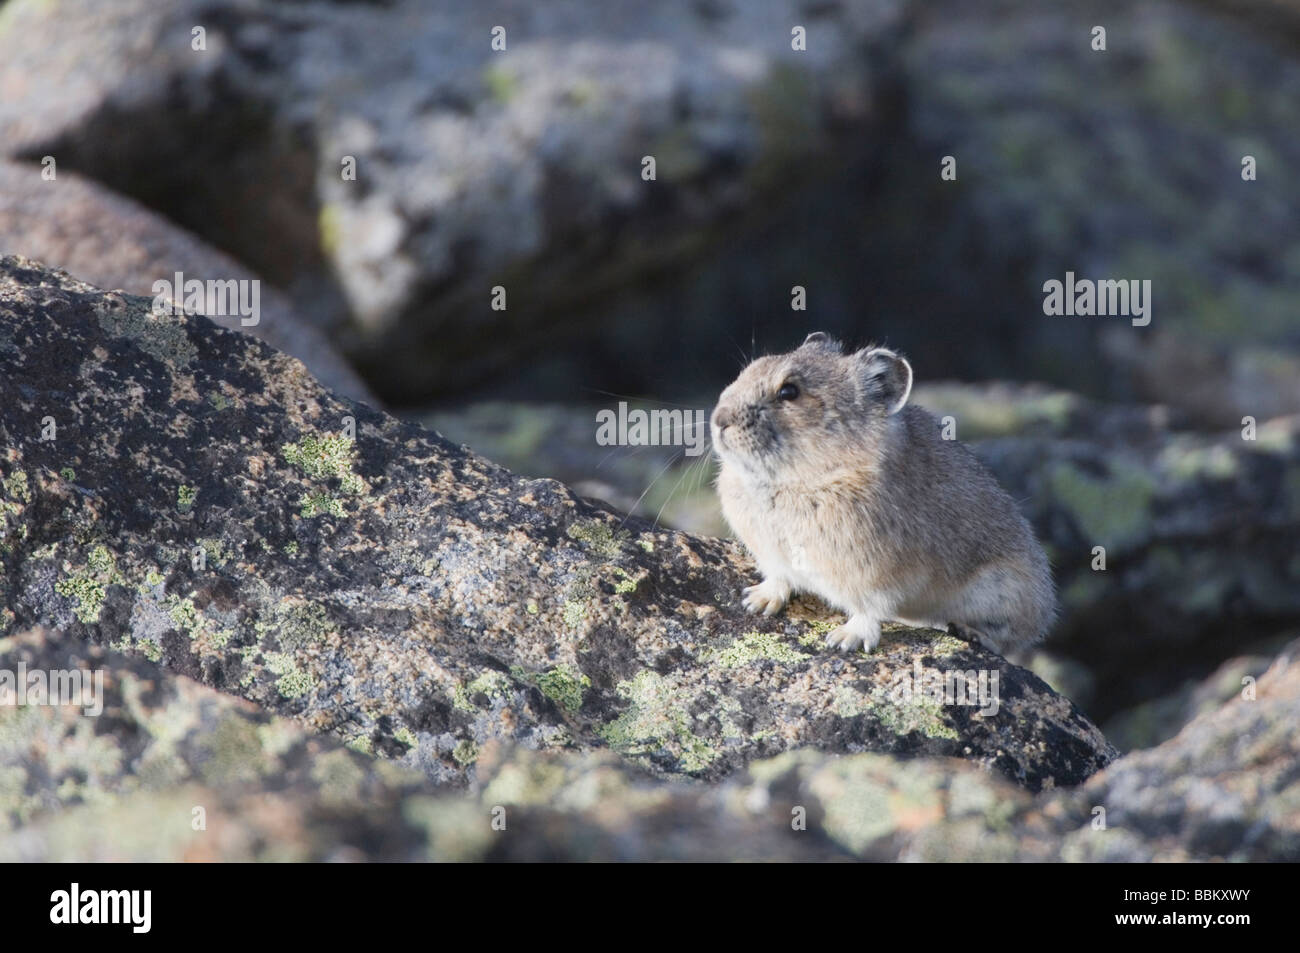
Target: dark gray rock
1124,164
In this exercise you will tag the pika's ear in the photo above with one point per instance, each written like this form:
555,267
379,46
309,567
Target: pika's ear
822,340
885,377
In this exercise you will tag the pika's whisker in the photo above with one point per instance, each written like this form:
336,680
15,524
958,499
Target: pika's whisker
657,477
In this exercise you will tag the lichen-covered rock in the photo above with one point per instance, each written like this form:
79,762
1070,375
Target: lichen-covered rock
188,494
126,786
1172,553
1224,789
169,770
1125,163
474,166
71,223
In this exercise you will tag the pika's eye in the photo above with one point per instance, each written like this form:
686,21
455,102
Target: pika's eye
789,391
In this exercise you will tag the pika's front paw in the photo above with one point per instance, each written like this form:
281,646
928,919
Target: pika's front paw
768,597
858,631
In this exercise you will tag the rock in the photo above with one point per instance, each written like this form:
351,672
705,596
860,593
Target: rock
1139,178
198,501
169,770
174,771
1124,164
1270,18
475,168
125,786
78,225
1223,789
1155,721
1196,535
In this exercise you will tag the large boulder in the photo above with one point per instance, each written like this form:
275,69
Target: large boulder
474,167
1125,163
1122,164
186,493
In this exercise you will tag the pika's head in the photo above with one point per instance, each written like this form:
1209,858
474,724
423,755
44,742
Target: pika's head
809,411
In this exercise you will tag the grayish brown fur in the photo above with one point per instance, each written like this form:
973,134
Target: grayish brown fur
850,493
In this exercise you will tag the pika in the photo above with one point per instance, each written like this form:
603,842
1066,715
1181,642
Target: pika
839,487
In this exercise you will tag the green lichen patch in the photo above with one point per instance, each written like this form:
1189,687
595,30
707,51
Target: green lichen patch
329,227
562,684
214,551
207,639
919,712
658,720
293,682
626,582
318,504
848,703
162,336
89,587
321,456
575,611
325,457
815,636
502,84
1112,511
296,625
465,752
1186,463
598,536
16,487
754,646
185,497
493,685
88,593
184,614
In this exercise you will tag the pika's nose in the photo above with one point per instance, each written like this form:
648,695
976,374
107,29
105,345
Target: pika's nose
723,418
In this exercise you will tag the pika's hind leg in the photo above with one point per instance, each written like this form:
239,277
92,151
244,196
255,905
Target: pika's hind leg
863,630
768,597
994,636
999,608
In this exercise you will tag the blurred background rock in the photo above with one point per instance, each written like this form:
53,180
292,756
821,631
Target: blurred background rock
775,168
